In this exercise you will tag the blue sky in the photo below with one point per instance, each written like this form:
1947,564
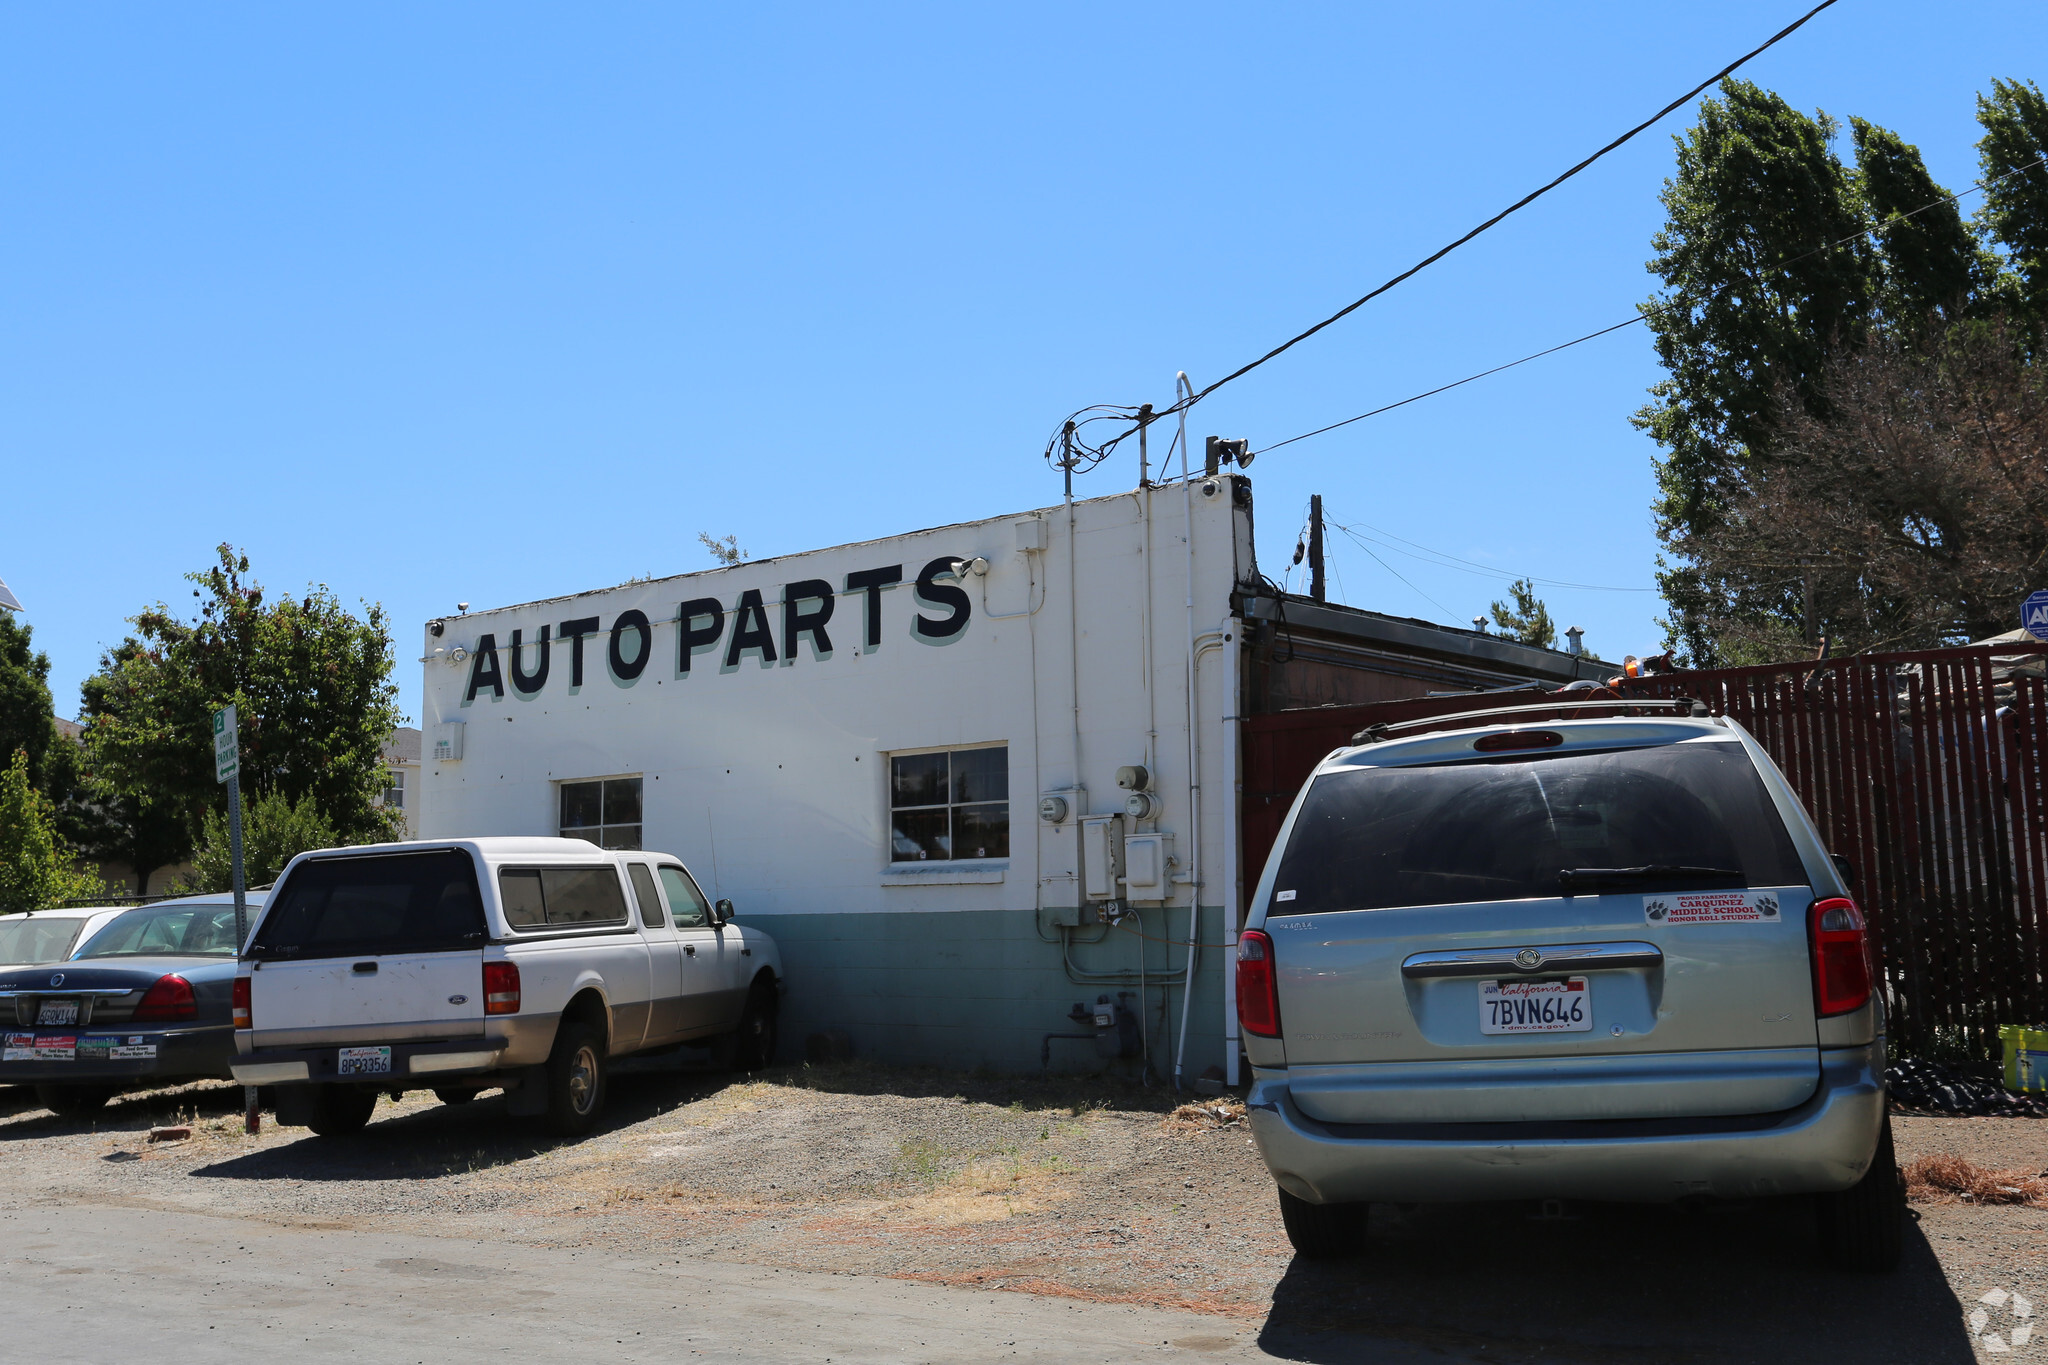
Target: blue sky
489,303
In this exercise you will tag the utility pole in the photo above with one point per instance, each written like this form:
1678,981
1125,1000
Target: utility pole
1315,547
227,767
1812,622
1144,464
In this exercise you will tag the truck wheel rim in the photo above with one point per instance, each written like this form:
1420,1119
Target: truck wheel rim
583,1080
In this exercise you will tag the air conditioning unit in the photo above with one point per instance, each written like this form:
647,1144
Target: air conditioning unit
448,741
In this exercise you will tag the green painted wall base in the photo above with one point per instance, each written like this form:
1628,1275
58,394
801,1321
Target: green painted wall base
982,988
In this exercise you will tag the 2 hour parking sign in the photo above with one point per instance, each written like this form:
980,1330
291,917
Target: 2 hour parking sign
2034,615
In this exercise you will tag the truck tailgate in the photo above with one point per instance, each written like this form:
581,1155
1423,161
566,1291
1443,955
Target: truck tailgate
399,998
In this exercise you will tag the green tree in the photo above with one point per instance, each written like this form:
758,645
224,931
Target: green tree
274,831
310,684
1929,264
2014,214
26,716
36,869
1527,620
1755,302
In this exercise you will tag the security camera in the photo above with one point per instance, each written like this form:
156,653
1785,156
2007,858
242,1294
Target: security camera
434,628
1210,488
462,606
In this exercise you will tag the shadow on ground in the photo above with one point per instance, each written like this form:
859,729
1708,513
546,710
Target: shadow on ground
1614,1283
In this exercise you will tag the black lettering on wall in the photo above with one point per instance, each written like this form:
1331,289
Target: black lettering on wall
871,582
484,671
693,636
573,632
526,684
796,622
750,630
634,620
936,594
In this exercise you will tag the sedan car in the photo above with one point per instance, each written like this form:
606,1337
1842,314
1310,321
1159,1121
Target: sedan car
146,1001
50,935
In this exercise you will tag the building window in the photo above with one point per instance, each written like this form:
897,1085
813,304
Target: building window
394,794
606,813
948,806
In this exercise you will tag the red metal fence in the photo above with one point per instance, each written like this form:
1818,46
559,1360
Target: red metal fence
1926,770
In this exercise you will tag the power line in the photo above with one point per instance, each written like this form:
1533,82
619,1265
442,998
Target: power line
1443,560
1075,451
1649,308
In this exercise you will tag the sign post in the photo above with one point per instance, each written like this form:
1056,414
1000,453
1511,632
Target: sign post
2034,614
227,767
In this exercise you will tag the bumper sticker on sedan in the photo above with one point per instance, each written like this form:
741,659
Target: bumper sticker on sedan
56,1047
132,1052
1711,907
21,1047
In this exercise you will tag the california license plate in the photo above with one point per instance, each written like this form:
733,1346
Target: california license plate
364,1061
1536,1006
58,1012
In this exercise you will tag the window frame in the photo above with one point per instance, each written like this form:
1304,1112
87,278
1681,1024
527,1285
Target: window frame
543,930
582,832
894,864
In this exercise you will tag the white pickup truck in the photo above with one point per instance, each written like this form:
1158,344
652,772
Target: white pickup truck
466,965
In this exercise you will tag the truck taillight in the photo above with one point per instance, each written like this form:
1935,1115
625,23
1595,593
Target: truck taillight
1841,956
169,1001
242,1014
1258,992
501,988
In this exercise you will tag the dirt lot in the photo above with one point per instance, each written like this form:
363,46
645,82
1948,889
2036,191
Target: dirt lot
1077,1190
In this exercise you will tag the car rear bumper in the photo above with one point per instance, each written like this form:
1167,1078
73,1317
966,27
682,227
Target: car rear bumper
116,1055
1824,1144
422,1063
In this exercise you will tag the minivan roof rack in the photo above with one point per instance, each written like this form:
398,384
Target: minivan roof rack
1374,734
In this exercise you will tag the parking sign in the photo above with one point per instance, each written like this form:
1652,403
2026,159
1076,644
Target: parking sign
2034,615
227,746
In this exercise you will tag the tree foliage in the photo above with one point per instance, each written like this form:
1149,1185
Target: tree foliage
311,688
275,830
26,716
1783,268
36,869
1524,617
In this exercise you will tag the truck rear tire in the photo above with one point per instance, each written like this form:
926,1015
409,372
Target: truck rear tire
1324,1232
575,1079
1864,1227
74,1101
340,1110
754,1041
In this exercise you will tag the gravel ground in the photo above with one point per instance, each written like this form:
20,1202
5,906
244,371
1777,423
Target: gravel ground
1074,1189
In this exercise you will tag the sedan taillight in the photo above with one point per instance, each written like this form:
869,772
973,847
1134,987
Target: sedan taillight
242,1013
1841,956
169,1001
1258,992
501,988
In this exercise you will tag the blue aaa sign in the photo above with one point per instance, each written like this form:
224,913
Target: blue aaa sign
2034,615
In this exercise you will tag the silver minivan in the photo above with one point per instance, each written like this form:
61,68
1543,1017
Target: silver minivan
1602,959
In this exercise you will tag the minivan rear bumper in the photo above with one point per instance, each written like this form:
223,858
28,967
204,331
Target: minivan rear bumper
1821,1145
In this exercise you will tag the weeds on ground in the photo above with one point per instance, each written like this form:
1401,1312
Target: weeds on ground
1206,1117
1952,1177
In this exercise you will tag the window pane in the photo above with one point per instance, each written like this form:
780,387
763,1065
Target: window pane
981,775
643,892
39,938
582,805
625,838
917,780
982,831
918,836
375,903
594,835
622,801
583,895
691,909
520,892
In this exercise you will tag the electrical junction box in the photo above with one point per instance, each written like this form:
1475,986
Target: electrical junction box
1102,857
1148,866
448,741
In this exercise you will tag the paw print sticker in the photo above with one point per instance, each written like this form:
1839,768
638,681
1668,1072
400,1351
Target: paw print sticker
1767,906
1656,910
2017,1333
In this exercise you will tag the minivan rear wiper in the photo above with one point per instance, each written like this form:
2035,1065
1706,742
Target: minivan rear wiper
1581,881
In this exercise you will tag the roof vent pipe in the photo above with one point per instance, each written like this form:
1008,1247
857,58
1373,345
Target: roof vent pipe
1574,641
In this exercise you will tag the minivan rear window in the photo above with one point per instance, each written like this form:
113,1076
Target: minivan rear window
1502,830
377,903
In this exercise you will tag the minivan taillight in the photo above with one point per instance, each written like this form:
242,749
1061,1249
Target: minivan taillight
501,988
242,1013
1258,993
1841,956
169,1001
